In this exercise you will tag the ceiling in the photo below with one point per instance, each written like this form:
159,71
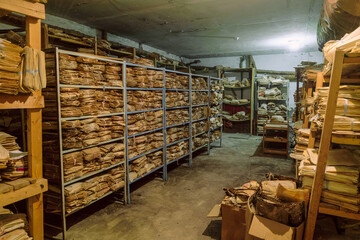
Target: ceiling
202,28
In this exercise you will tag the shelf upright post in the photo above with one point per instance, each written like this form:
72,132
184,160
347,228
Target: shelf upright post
208,117
190,121
58,93
126,136
126,163
164,127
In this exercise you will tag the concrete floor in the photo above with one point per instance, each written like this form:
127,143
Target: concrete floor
177,209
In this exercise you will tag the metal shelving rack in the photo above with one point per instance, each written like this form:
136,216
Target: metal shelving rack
63,215
189,123
221,107
250,72
284,89
163,128
202,119
62,151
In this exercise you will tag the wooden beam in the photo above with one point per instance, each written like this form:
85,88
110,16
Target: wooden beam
41,185
324,145
21,101
339,213
34,137
35,10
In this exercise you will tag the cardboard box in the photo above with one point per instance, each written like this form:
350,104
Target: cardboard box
267,229
233,225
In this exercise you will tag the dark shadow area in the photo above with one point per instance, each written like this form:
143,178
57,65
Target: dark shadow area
213,230
259,153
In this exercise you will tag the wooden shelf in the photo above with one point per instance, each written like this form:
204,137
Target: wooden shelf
237,87
274,151
339,213
68,40
282,128
346,137
272,139
242,104
351,60
21,102
40,186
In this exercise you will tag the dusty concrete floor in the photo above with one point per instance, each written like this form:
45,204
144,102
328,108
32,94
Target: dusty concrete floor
177,209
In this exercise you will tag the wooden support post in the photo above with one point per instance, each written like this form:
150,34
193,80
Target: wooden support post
324,145
34,136
45,37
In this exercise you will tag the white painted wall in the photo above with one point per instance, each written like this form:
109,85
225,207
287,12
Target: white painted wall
276,62
68,24
279,62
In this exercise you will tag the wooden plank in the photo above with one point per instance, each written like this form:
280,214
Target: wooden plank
34,137
272,151
345,140
35,10
21,101
339,213
324,145
352,60
278,140
41,185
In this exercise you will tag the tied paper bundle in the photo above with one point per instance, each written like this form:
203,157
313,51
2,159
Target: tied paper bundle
174,117
8,142
112,154
340,187
13,226
347,117
16,167
199,127
199,83
117,127
216,98
142,122
145,164
145,143
10,66
177,99
200,112
176,151
200,141
33,70
215,110
175,81
73,165
216,86
238,196
112,75
4,157
229,99
199,98
117,178
143,100
214,135
144,62
271,93
177,133
239,116
141,77
215,122
236,83
79,194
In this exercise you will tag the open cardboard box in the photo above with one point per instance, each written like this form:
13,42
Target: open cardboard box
243,224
